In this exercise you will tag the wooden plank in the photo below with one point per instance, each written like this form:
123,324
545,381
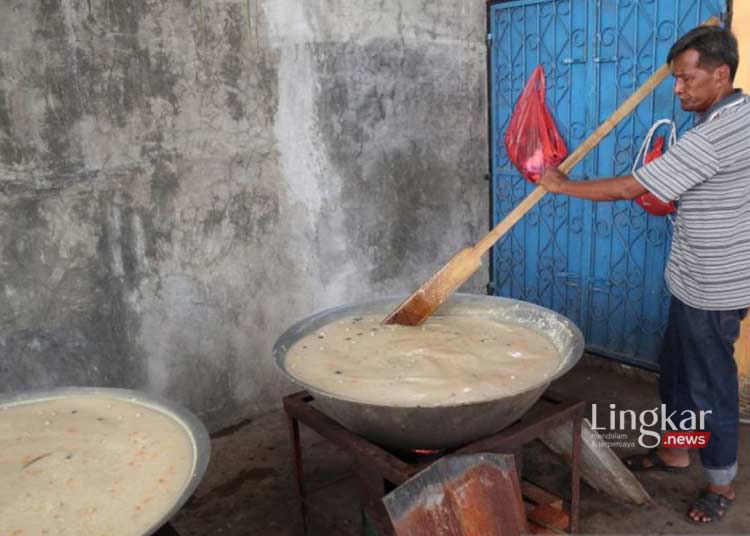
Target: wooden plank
539,496
549,517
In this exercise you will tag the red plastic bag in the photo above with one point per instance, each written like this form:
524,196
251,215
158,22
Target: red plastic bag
532,139
649,202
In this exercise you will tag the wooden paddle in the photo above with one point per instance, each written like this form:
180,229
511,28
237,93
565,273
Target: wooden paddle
422,303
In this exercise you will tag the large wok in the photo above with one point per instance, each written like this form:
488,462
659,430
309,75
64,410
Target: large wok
421,427
194,429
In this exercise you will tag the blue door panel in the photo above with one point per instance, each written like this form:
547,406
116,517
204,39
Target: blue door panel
600,264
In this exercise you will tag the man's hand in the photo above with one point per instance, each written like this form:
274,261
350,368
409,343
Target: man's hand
553,180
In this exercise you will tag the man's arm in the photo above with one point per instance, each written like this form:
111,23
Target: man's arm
612,189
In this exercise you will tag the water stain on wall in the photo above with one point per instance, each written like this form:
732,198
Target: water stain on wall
68,320
57,80
399,177
231,65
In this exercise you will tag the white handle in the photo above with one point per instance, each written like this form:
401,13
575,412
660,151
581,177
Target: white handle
643,151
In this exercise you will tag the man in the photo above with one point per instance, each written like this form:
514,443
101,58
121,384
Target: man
708,272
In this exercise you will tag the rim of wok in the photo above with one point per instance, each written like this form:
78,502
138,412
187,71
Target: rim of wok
193,427
315,321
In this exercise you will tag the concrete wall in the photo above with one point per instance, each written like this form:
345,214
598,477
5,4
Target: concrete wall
180,180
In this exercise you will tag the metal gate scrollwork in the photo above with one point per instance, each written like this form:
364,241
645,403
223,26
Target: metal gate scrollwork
599,264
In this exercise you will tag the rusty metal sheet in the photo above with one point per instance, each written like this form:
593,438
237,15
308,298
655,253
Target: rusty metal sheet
470,495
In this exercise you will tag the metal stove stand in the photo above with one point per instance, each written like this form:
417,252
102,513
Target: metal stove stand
379,471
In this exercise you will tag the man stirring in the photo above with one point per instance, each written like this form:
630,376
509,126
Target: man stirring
708,272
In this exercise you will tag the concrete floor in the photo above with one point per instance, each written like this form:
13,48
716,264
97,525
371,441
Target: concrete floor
249,490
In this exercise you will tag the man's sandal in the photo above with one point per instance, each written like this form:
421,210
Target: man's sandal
637,463
711,506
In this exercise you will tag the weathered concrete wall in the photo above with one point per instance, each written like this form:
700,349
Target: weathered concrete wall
180,180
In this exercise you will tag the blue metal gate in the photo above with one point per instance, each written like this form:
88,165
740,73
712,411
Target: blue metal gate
599,264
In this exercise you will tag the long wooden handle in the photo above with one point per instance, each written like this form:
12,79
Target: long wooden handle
581,151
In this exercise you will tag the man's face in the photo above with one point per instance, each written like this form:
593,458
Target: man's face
697,87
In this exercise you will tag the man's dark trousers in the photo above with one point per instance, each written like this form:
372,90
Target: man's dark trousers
699,373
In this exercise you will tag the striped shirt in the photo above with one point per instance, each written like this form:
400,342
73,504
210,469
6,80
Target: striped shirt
708,172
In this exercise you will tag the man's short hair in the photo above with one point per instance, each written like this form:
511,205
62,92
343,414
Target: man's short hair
716,46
